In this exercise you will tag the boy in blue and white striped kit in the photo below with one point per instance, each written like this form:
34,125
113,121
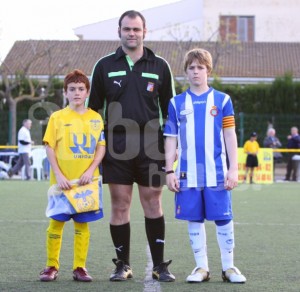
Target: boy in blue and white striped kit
201,125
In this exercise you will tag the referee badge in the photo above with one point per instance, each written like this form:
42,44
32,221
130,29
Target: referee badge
214,111
150,86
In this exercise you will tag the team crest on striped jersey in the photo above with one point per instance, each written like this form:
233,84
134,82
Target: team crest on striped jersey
95,124
214,111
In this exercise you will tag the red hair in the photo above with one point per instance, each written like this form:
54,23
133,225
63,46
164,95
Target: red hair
76,76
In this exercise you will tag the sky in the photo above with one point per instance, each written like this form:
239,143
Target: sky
56,19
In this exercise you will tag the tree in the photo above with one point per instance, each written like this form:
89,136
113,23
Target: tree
19,86
185,40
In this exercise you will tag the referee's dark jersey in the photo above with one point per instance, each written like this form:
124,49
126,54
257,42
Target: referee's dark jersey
142,90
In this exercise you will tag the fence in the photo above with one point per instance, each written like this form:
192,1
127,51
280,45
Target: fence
248,123
245,124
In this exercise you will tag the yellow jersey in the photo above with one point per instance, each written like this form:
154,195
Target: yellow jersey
251,146
74,138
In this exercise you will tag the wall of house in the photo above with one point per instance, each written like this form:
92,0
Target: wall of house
198,20
180,20
275,20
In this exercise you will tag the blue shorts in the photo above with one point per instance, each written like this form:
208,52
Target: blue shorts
197,204
80,217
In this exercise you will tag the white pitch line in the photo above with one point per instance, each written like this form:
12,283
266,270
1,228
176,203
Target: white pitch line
150,285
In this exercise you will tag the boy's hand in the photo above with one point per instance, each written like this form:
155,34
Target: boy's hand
63,183
231,180
86,178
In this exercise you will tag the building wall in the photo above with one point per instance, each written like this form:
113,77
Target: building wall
275,20
198,20
180,20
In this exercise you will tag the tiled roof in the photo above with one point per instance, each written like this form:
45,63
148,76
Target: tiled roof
240,60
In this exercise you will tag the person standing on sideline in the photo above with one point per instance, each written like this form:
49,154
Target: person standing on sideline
75,146
271,141
201,123
251,148
293,143
134,86
24,150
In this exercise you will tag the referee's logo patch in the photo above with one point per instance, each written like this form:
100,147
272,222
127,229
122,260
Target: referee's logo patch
150,86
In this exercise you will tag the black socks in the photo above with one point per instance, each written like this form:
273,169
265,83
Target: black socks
120,235
155,230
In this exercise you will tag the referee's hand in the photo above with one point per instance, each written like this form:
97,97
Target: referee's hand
172,182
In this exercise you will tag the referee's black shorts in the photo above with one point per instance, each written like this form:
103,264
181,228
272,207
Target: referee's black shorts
134,157
251,161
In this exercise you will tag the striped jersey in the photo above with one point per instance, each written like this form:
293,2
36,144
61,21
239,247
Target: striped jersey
198,123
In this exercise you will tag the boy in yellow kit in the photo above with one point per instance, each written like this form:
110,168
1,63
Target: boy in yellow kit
75,147
251,148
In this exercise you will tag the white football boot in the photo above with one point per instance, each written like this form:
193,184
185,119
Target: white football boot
198,275
233,275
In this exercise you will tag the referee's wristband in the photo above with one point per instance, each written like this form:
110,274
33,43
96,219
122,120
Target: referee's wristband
169,171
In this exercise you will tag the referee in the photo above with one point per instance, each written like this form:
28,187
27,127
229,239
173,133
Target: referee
133,87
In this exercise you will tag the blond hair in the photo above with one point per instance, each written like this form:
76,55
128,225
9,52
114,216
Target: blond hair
203,56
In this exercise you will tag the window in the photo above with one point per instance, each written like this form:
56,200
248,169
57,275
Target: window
239,28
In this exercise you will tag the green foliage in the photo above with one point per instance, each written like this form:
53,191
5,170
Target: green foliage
56,92
22,85
180,87
55,96
256,104
280,97
283,95
278,102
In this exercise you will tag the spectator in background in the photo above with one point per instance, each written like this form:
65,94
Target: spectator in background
251,148
24,149
293,143
271,141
